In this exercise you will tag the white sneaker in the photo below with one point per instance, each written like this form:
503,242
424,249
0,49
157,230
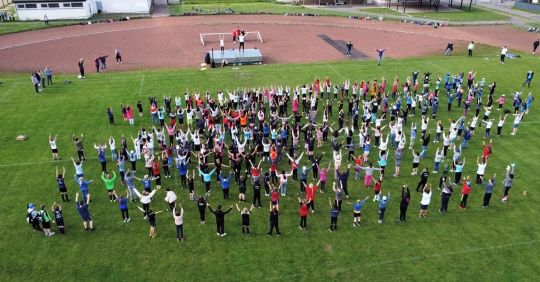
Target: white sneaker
224,234
50,234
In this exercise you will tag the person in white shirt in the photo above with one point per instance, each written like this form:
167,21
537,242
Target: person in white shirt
179,222
426,199
54,148
241,39
222,44
504,50
481,169
470,48
170,198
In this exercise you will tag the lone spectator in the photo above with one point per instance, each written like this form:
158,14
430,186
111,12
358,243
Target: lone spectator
470,48
379,56
81,68
535,45
349,48
48,73
504,50
117,55
46,20
241,39
449,48
528,78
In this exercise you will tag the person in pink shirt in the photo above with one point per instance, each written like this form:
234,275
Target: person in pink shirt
295,106
323,176
501,101
129,115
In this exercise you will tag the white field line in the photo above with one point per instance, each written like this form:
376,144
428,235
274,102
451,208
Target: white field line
9,91
141,86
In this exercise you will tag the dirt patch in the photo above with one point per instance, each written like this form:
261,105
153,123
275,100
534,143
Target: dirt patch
173,42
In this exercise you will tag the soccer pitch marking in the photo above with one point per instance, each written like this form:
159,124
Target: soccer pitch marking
9,91
141,86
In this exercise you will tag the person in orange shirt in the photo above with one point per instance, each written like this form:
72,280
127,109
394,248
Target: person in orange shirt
311,192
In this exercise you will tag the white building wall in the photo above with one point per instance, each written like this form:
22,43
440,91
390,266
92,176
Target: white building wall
56,14
125,6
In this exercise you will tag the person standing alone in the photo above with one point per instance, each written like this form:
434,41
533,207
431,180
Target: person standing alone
504,50
241,39
81,68
349,48
379,56
535,45
470,48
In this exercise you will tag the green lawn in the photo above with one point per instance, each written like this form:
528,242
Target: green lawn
500,243
476,14
249,8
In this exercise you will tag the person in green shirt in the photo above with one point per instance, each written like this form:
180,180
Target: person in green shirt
45,221
109,184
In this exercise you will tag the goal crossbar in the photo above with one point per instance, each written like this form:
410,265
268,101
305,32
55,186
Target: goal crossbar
223,34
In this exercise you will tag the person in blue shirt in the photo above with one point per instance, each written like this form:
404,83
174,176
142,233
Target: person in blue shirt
489,191
382,207
225,184
82,208
83,185
101,156
62,184
207,178
123,205
528,78
334,212
146,182
357,211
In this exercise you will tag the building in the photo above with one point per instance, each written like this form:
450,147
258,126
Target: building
76,9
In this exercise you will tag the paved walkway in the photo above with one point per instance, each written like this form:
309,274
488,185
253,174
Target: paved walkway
506,7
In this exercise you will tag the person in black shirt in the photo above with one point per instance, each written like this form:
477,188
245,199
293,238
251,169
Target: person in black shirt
245,213
151,215
535,45
404,204
201,204
449,48
423,179
274,220
220,218
257,193
349,48
81,69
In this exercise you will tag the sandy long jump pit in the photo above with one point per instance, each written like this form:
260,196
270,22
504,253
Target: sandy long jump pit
174,42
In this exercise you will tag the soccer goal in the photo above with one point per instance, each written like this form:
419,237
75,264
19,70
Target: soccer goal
215,37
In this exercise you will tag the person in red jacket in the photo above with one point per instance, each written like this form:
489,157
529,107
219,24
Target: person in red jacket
465,192
311,191
274,196
487,150
303,211
157,173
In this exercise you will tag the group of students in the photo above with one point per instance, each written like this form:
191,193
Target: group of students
207,136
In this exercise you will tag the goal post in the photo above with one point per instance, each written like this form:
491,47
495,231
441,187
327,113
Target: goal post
216,36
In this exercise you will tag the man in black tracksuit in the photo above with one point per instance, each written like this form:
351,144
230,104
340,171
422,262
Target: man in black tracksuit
274,220
423,180
220,219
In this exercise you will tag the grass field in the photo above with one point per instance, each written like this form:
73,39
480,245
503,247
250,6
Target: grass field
476,14
250,8
499,243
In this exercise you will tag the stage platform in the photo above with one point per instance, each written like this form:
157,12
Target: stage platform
234,57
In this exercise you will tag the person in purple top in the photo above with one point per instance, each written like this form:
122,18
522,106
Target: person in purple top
379,56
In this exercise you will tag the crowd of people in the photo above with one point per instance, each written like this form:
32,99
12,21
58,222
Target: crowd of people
288,143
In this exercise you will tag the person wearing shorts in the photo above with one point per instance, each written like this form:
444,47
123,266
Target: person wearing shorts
82,208
426,199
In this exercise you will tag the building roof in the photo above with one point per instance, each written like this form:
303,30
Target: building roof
46,1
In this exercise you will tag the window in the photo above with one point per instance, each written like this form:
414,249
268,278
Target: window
76,5
66,5
31,6
20,6
54,5
43,5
